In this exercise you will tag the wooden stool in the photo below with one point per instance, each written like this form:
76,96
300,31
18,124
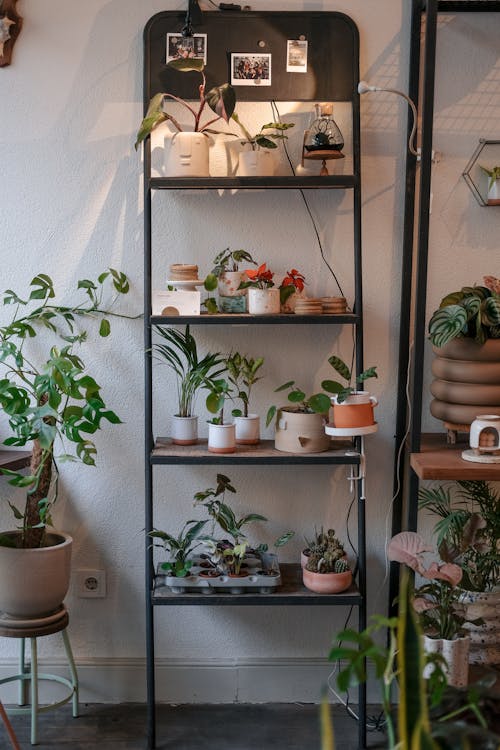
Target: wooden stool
54,623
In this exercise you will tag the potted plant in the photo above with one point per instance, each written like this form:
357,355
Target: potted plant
437,603
468,534
257,160
263,296
180,354
326,570
317,544
465,333
351,408
226,555
300,427
179,548
291,289
229,277
51,401
188,153
243,374
221,435
493,188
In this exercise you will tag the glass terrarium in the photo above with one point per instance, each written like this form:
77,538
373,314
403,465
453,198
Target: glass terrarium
323,140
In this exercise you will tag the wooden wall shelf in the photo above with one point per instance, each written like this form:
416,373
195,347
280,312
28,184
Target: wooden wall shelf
439,460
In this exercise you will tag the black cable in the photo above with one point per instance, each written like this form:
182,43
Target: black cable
301,191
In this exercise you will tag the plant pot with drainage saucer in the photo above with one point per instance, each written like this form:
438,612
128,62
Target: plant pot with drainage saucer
352,409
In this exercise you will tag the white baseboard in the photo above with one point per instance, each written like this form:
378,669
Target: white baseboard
181,681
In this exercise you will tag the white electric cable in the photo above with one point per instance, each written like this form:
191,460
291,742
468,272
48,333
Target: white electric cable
365,88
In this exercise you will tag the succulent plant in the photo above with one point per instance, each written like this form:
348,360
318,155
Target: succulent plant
325,552
341,566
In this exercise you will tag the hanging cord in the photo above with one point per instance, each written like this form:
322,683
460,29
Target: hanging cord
277,115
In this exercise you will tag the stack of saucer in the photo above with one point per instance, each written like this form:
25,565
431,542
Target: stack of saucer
308,307
334,305
183,272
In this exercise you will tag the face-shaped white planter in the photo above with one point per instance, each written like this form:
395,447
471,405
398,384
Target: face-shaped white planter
258,163
187,155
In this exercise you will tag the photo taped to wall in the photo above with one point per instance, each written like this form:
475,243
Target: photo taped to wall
248,69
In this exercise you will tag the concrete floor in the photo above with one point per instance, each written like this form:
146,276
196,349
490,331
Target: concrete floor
198,727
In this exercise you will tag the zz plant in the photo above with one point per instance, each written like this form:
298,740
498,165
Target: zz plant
53,401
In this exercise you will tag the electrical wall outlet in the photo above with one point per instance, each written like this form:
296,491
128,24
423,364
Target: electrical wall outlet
91,583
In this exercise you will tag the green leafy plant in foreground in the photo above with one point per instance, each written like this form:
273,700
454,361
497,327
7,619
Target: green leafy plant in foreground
51,399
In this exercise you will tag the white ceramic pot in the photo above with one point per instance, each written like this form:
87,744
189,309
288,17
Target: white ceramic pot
355,411
184,430
258,163
485,638
300,433
221,438
187,155
34,582
484,434
456,653
229,282
247,429
264,301
494,194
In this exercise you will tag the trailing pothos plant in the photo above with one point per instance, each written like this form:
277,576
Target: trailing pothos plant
53,401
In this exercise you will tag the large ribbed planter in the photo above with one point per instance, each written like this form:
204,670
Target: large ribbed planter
466,380
484,639
297,432
34,582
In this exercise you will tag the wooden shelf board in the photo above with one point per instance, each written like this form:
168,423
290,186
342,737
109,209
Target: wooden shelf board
292,591
165,452
14,460
439,460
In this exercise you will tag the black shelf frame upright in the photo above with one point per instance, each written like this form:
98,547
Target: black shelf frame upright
342,88
416,251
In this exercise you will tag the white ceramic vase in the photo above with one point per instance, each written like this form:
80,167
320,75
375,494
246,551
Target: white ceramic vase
264,301
184,430
456,653
187,155
256,163
34,582
221,438
247,429
494,194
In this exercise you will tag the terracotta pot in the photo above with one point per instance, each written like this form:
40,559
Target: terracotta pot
247,429
187,155
355,411
484,639
221,438
297,432
456,653
34,582
467,377
264,301
326,583
184,430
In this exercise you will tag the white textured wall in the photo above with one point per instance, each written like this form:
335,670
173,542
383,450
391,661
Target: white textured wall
71,205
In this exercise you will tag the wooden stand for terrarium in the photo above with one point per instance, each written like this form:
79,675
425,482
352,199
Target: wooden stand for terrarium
323,156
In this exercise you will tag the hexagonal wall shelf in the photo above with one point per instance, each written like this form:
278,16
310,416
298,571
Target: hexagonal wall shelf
487,154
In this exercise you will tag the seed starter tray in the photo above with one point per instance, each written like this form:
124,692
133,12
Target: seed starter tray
194,583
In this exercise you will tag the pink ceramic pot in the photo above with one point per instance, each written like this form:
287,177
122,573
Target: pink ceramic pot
326,583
